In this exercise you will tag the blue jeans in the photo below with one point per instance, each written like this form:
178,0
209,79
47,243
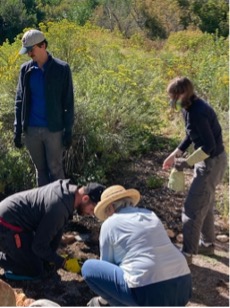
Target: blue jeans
107,280
46,152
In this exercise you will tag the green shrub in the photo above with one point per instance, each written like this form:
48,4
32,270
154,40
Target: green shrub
154,182
16,170
120,95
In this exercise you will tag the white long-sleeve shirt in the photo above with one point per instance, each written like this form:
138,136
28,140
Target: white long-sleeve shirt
136,241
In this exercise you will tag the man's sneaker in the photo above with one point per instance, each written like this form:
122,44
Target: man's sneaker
206,250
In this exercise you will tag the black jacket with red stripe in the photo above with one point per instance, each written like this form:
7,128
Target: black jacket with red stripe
43,211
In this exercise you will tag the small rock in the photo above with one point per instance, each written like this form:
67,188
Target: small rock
20,298
170,233
82,237
44,303
28,302
222,224
222,238
180,238
68,239
7,295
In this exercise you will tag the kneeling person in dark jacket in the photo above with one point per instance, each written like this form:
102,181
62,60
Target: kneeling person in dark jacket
32,223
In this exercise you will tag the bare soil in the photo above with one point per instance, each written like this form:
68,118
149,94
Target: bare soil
210,274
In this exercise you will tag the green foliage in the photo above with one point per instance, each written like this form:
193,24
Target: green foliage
13,19
204,58
213,15
154,182
150,18
162,17
120,96
158,18
192,41
222,204
16,171
81,11
112,98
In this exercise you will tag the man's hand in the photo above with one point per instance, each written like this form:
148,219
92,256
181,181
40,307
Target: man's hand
67,139
18,141
72,265
181,164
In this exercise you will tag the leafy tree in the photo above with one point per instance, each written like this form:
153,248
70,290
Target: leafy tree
77,11
213,15
162,17
14,18
155,18
81,11
158,18
188,18
112,14
16,15
51,10
151,18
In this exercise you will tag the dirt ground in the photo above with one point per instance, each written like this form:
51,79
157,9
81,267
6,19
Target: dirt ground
210,274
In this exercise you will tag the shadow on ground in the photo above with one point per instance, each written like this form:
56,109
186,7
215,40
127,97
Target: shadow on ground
210,287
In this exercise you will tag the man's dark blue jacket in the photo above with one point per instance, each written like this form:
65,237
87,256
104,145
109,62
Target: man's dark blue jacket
58,94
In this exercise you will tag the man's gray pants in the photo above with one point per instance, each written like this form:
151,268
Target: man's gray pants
198,212
46,151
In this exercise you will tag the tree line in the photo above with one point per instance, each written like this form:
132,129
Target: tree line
151,18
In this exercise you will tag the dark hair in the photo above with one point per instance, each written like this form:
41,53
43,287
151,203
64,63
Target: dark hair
43,42
181,85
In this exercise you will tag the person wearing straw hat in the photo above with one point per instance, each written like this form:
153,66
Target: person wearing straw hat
209,159
138,266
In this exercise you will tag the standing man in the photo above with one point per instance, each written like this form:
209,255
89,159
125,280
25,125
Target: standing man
32,222
44,108
209,160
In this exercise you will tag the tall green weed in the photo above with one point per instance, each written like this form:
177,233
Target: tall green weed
120,93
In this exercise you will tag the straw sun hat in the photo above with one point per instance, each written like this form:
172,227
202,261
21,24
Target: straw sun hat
112,194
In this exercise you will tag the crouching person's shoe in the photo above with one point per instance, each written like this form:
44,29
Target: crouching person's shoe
11,276
207,250
98,301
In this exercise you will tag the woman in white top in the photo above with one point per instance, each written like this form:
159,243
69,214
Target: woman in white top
138,266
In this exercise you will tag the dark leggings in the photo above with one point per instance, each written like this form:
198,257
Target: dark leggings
16,253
